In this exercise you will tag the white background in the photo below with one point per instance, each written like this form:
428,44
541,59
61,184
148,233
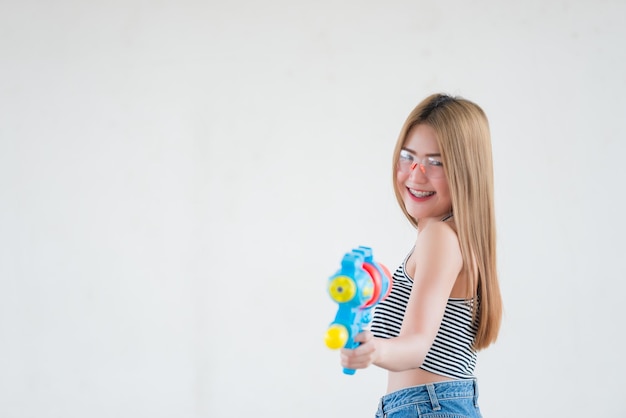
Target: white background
179,178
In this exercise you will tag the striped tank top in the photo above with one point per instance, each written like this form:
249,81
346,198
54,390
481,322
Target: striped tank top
451,354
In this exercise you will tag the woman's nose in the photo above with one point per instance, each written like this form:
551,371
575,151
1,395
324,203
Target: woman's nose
421,167
420,170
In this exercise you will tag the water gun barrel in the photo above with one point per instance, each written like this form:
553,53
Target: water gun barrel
357,287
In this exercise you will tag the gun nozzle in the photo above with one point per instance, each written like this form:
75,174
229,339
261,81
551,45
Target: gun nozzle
342,289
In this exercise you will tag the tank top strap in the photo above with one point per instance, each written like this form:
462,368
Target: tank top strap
403,265
448,216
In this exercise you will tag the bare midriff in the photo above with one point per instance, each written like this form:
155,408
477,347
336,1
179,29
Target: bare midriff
410,378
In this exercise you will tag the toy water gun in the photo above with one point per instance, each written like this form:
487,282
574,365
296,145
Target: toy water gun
357,287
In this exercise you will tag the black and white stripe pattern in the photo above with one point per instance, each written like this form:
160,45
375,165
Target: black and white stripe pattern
451,354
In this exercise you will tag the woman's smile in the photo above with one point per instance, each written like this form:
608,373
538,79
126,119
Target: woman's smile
420,195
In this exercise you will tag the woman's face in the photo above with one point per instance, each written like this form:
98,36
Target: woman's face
420,176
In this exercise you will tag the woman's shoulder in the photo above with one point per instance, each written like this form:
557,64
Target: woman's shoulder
438,231
438,241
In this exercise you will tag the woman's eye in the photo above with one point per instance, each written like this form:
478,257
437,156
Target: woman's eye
435,163
405,156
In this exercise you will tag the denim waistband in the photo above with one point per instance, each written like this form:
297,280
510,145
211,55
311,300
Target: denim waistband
431,392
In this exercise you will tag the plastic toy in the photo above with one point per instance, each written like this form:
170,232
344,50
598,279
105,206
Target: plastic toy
357,287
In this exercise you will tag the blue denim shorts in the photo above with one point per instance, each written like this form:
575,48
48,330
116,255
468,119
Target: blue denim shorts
451,399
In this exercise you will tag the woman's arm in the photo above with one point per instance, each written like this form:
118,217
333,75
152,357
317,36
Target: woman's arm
438,262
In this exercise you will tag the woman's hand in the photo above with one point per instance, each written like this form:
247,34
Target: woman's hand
362,356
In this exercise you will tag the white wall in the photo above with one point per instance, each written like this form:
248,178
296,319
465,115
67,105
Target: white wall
178,179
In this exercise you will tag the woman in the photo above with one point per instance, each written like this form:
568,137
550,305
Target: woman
445,303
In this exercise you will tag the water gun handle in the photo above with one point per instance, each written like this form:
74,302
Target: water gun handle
352,347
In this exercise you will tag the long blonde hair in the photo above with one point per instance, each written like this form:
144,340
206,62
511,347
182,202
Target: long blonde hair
464,140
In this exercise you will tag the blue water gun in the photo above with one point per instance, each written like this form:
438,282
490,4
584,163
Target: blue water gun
357,287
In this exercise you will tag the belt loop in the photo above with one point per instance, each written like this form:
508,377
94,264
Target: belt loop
433,397
475,393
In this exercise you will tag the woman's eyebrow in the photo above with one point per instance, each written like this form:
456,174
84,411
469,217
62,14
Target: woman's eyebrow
435,154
